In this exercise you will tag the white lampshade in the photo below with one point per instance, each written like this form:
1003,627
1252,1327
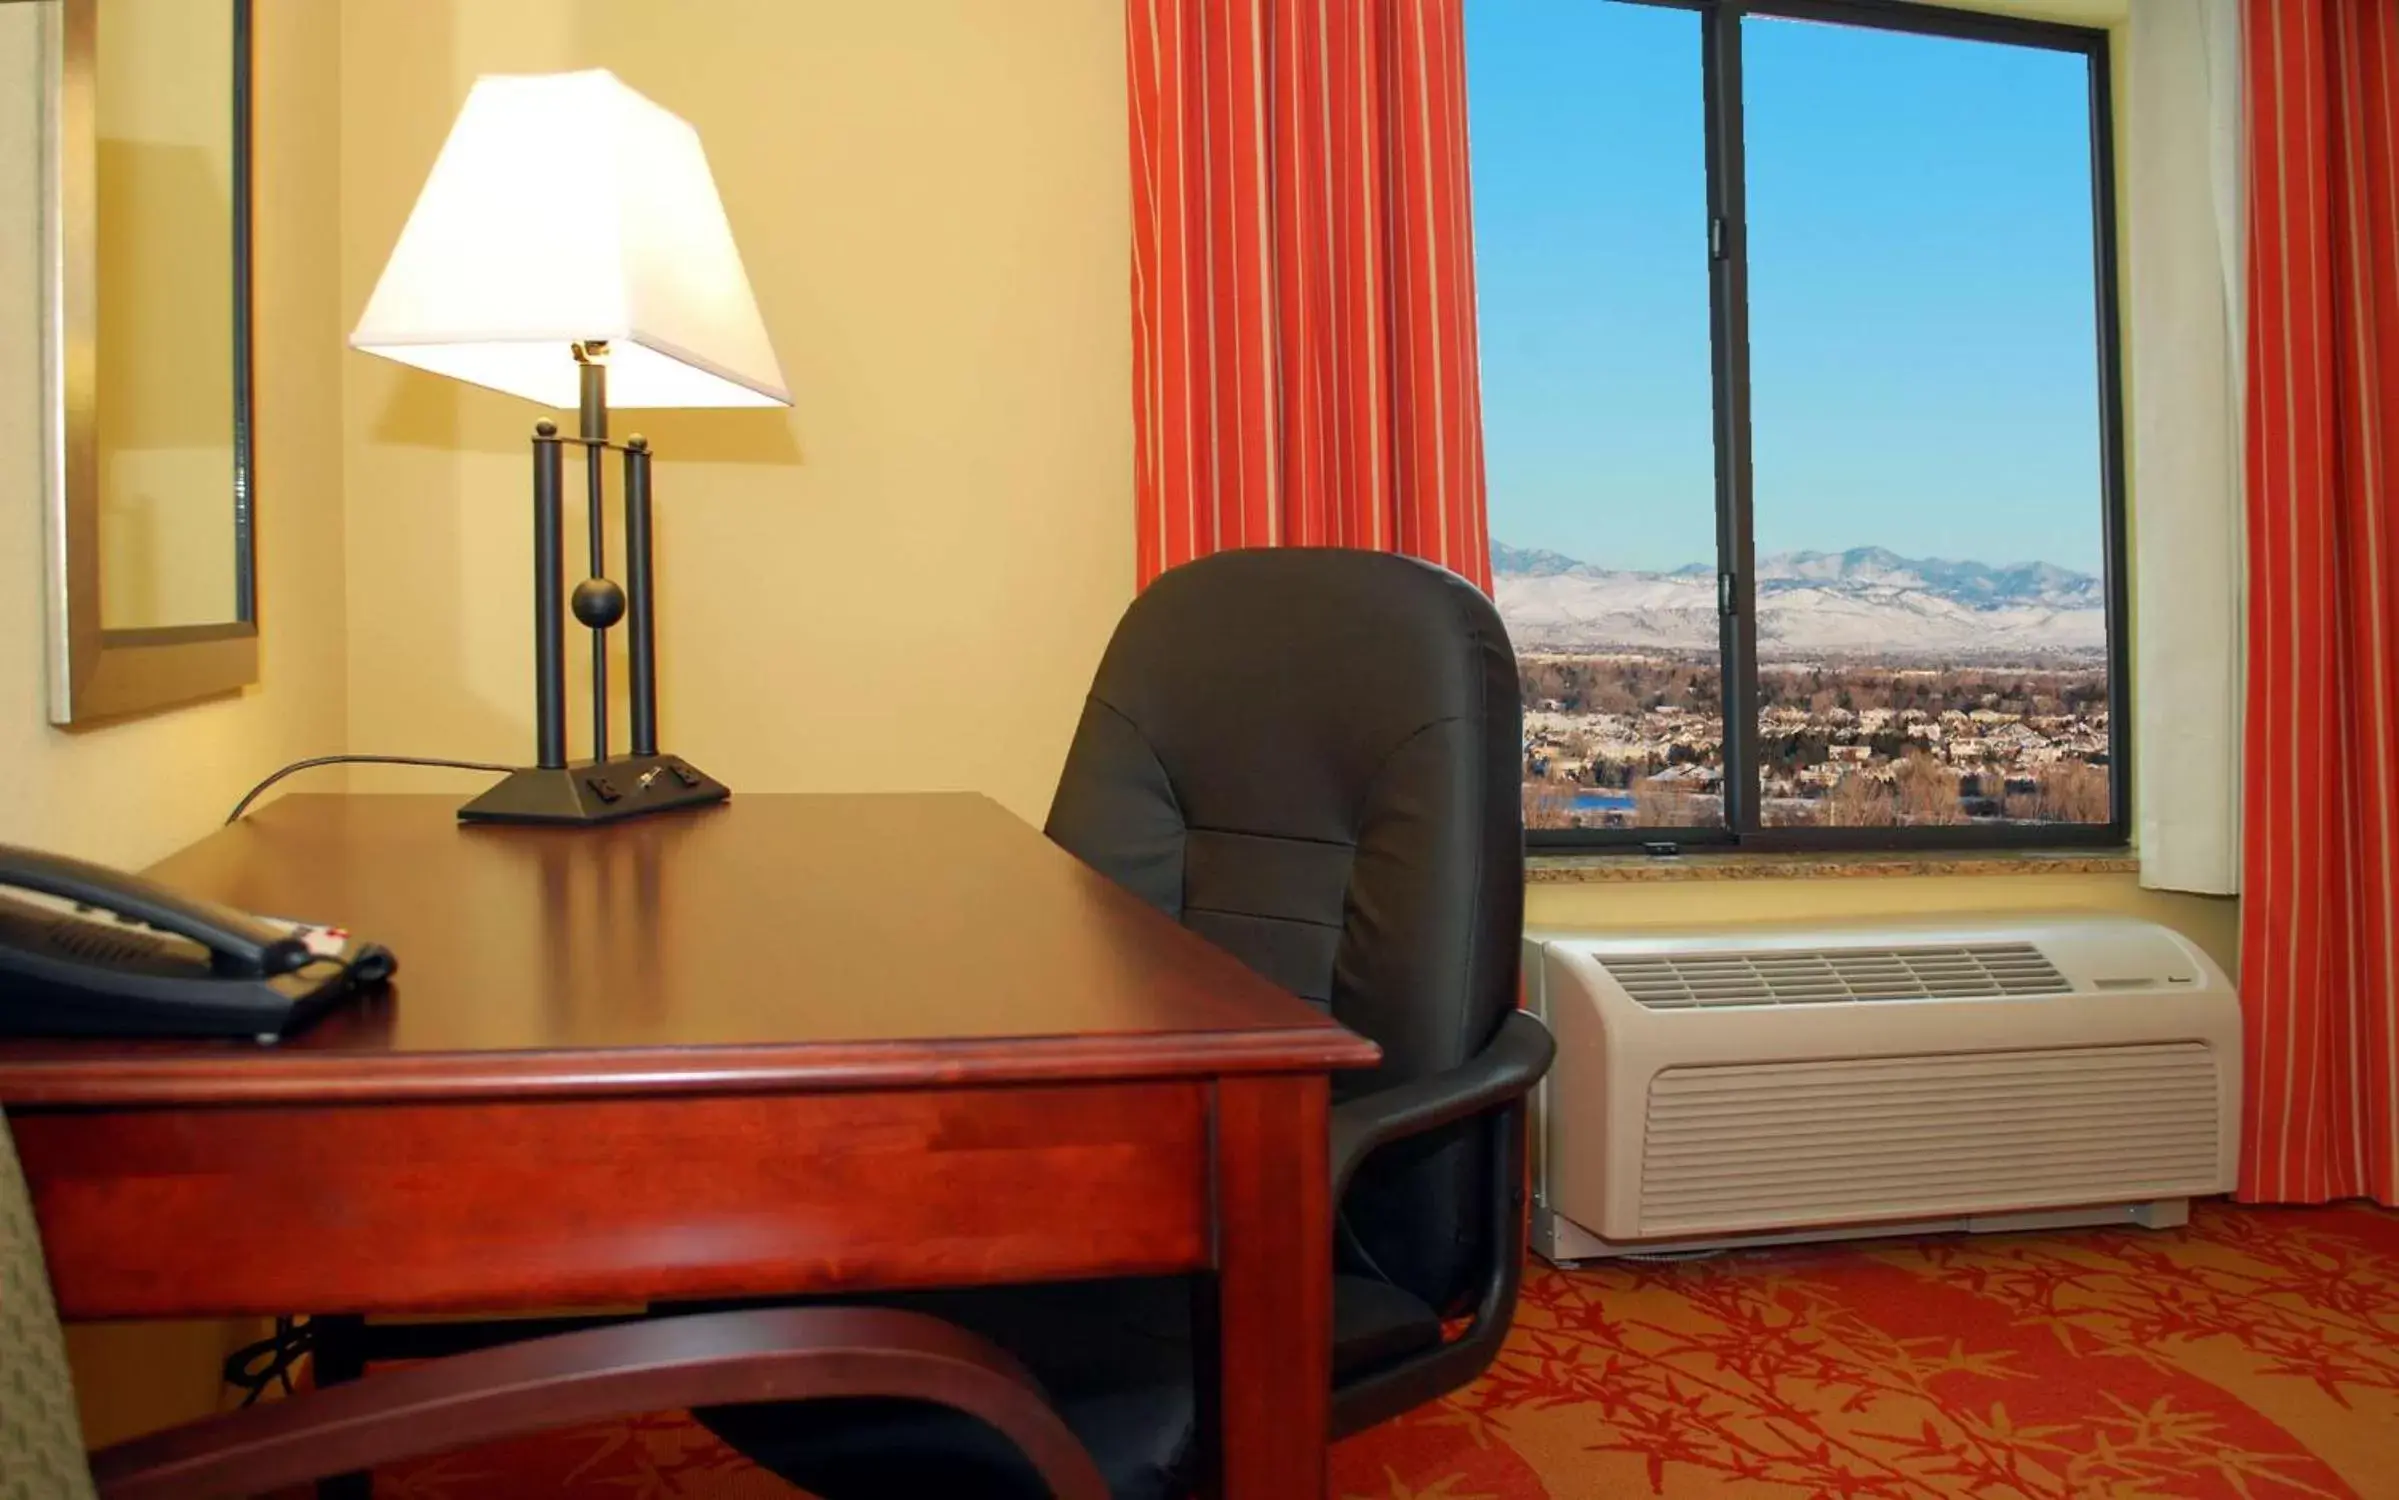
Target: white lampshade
566,208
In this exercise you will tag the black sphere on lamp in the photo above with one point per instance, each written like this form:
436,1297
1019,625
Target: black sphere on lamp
597,602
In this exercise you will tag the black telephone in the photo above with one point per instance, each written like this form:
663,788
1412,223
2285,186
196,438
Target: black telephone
111,954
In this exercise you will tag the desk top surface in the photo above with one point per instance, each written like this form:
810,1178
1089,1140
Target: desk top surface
771,942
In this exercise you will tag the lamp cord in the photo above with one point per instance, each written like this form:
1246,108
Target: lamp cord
253,1367
360,760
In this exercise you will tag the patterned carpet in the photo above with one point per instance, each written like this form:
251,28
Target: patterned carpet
2254,1354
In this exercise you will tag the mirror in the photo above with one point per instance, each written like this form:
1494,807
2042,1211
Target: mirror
165,417
147,139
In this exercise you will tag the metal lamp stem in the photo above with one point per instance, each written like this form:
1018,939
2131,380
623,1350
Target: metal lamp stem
642,640
549,609
592,362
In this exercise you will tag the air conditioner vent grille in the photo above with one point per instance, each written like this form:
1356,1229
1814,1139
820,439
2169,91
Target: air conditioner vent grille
1730,1147
1836,976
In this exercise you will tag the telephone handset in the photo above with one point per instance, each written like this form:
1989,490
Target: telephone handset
112,954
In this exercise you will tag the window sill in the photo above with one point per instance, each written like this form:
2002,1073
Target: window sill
1552,869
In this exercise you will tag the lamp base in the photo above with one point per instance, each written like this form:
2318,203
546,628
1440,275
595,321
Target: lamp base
607,791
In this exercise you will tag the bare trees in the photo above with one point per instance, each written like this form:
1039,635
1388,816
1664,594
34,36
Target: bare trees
1926,790
2075,792
1655,806
2077,688
1860,801
1619,684
1548,804
2071,791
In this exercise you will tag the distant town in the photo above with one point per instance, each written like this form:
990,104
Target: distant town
1894,691
1632,739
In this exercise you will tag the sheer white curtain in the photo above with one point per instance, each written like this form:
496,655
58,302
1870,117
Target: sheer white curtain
2184,228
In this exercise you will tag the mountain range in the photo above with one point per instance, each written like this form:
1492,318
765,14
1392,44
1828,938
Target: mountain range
1865,601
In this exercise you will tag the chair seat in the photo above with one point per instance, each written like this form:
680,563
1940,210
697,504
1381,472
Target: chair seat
1115,1357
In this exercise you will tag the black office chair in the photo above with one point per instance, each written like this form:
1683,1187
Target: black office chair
1311,757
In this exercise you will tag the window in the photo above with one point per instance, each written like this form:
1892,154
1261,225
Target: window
1800,393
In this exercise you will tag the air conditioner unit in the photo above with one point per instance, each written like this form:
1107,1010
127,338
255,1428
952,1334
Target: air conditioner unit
1763,1086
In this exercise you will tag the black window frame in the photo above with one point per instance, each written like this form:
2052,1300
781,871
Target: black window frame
1728,302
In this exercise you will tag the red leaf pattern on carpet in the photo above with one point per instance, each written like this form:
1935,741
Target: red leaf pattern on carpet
2253,1355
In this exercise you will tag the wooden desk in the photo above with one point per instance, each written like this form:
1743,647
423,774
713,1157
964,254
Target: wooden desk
789,1044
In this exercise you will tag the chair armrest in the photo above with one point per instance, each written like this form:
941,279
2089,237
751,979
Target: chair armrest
1507,1067
707,1359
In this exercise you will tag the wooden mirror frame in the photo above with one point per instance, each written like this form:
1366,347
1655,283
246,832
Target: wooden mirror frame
98,673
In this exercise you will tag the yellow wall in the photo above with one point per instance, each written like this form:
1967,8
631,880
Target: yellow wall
131,793
2212,922
2109,13
904,581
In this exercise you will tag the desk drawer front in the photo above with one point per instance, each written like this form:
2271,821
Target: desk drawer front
495,1206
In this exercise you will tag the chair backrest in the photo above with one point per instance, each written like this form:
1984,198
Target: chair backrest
1312,756
41,1439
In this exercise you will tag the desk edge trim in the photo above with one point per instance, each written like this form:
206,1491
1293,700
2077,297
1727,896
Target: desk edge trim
220,1078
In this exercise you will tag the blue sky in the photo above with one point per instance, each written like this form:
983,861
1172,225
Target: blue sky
1921,302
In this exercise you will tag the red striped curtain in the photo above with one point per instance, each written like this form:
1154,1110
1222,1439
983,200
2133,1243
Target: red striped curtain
2320,915
1303,280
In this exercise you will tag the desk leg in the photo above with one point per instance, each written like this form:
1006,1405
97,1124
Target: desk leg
339,1355
1274,1288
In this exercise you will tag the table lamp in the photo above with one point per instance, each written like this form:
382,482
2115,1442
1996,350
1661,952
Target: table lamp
569,247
